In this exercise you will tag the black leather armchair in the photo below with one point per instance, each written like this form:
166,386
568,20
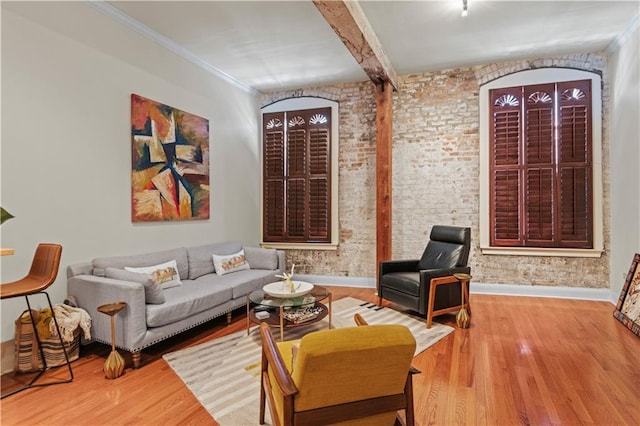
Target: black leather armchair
408,282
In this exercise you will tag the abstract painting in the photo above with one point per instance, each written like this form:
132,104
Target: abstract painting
170,163
628,307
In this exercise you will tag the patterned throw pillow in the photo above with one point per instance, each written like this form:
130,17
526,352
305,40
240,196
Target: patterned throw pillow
230,263
152,292
165,274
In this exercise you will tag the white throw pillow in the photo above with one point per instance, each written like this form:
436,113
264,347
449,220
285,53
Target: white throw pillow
230,263
165,274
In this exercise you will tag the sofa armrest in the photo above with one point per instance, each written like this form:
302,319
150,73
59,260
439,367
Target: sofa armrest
389,266
131,324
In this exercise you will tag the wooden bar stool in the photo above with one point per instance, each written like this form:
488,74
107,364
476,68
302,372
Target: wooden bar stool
42,274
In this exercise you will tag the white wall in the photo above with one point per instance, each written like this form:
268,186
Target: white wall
66,150
625,156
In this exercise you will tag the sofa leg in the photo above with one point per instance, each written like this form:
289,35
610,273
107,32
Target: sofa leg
136,359
228,318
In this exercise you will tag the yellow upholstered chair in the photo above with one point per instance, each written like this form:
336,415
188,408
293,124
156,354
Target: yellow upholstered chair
353,375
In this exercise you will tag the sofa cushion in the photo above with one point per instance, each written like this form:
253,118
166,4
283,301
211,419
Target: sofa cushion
200,257
242,282
148,259
165,274
225,264
187,300
152,291
261,258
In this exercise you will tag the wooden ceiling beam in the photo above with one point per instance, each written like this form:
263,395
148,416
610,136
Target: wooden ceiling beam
350,24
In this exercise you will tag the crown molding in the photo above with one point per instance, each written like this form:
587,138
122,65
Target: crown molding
168,44
622,38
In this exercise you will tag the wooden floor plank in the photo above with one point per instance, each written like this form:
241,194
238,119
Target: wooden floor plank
523,361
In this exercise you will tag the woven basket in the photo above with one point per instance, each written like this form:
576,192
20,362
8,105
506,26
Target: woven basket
27,356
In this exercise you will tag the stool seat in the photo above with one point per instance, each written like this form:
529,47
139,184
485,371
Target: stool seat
23,287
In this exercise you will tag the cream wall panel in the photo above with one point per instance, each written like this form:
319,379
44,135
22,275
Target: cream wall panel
66,154
625,157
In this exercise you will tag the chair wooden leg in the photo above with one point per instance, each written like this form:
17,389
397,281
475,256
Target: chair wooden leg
408,391
432,299
262,400
379,301
466,298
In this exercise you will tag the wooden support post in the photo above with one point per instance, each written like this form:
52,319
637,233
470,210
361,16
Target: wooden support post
384,137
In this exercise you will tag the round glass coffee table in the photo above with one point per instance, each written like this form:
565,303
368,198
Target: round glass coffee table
288,312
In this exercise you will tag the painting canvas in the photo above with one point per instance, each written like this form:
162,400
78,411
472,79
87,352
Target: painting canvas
628,307
170,163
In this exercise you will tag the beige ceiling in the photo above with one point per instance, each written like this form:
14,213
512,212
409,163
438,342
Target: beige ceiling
275,45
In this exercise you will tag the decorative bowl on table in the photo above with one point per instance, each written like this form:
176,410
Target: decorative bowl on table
282,289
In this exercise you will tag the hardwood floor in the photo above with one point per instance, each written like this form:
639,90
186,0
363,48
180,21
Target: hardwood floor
524,361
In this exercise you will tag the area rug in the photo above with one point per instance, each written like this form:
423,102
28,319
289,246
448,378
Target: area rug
224,374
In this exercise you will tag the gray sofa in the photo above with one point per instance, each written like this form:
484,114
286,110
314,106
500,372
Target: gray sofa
203,295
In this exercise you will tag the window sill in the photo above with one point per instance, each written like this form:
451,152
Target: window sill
301,246
539,251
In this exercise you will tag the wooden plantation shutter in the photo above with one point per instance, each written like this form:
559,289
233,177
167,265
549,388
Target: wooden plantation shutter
540,165
273,170
319,173
505,166
574,163
539,162
297,192
296,183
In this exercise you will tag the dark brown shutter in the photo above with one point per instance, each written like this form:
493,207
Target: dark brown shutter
319,182
540,165
574,142
538,103
296,176
273,176
504,167
297,194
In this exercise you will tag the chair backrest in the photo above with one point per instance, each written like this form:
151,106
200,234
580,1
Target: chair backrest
352,364
45,264
448,247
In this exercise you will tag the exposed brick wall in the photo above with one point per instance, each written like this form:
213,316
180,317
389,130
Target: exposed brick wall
435,174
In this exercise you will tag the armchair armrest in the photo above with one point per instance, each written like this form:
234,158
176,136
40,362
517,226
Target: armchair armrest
273,358
91,291
284,385
389,266
427,275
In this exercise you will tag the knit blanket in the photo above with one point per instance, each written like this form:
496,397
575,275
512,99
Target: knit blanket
69,319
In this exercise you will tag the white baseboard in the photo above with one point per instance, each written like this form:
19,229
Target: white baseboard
579,293
560,292
329,280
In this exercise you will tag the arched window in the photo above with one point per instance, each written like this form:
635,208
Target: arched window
299,163
540,151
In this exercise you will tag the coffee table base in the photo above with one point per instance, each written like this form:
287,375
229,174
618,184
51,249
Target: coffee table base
276,317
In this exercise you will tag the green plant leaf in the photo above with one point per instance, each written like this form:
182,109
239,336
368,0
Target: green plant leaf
4,215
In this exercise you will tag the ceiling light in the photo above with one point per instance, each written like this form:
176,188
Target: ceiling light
465,12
